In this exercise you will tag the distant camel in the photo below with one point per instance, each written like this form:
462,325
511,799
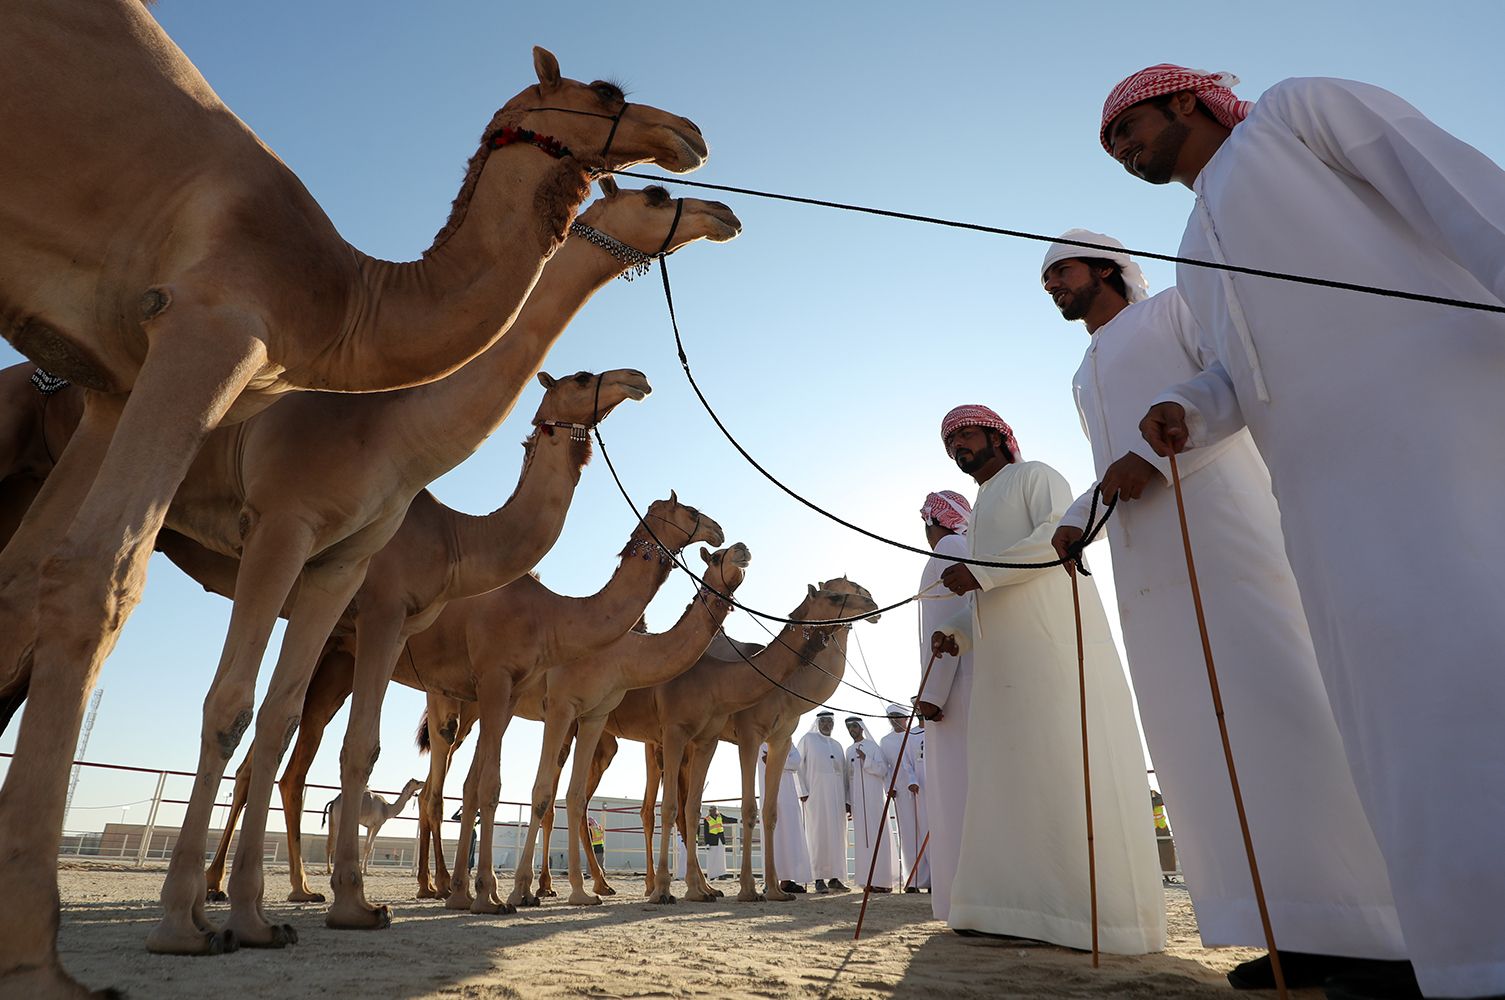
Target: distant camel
374,814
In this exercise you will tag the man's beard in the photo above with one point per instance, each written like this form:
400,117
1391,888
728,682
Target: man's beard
978,459
1158,162
1079,303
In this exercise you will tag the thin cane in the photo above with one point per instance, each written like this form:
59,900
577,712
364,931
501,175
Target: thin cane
1081,674
917,857
867,889
1217,707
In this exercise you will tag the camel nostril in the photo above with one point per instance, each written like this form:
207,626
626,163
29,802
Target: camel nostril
694,126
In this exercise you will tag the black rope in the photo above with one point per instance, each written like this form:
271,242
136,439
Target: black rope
1037,237
684,362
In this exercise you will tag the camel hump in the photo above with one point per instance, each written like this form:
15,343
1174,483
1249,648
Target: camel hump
724,648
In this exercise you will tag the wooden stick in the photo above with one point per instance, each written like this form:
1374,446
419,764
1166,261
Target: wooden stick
1081,673
1217,706
918,855
867,888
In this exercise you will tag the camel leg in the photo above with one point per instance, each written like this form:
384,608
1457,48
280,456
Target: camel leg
89,585
606,752
698,887
587,737
673,752
652,765
546,824
272,560
431,800
558,721
334,824
773,774
326,693
371,832
215,875
379,640
324,591
41,530
496,704
747,757
460,897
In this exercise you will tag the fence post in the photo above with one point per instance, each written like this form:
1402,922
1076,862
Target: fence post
151,820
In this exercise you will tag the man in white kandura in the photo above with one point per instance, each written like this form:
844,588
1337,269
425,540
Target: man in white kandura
946,698
1323,878
868,771
791,851
823,773
1379,419
909,798
1024,839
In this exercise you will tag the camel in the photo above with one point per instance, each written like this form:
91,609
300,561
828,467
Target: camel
164,257
484,647
373,815
437,556
580,694
680,721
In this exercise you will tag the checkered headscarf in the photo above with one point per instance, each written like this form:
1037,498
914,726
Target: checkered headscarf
947,508
977,415
1212,89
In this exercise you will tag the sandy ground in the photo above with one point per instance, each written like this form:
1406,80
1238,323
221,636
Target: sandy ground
623,948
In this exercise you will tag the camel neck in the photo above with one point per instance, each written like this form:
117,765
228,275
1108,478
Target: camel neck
588,623
418,321
497,548
453,416
654,659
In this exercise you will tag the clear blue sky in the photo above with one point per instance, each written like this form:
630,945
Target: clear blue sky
831,343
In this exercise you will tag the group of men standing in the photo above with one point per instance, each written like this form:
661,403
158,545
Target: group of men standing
1341,465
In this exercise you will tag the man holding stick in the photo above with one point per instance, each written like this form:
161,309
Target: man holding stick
868,771
1379,420
1024,854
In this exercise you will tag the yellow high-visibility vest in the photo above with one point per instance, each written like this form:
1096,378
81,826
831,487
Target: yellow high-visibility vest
1161,823
713,825
598,835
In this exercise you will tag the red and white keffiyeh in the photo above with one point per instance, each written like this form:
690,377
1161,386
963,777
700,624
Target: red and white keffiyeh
1212,89
977,415
947,508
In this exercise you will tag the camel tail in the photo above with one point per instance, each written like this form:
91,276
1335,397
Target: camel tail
422,738
324,818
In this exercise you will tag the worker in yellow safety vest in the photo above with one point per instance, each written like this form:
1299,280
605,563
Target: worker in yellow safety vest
715,828
598,839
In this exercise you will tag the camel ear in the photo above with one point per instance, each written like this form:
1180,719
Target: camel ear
673,496
705,557
809,590
608,186
546,380
546,66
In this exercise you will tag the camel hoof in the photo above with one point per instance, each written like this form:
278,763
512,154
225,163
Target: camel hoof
717,893
195,942
603,890
274,936
305,896
583,899
778,895
227,944
374,918
459,901
50,982
547,892
751,897
664,898
216,896
424,892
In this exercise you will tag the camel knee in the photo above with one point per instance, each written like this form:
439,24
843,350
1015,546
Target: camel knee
227,716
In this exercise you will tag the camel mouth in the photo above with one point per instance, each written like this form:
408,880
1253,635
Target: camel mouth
739,555
688,150
710,533
726,226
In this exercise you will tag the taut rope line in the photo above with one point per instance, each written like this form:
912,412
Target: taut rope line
1081,674
1217,707
1039,238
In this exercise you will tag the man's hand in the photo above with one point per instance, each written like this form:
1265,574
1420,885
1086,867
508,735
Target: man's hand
929,712
942,644
1128,477
959,579
765,756
860,754
1164,429
1065,537
915,789
804,798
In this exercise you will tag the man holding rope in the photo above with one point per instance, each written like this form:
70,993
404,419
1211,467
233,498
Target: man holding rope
948,694
1379,421
868,771
1024,848
1323,878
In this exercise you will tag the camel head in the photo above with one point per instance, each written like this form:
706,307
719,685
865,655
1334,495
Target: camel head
838,598
676,525
600,126
726,568
584,399
644,218
413,786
